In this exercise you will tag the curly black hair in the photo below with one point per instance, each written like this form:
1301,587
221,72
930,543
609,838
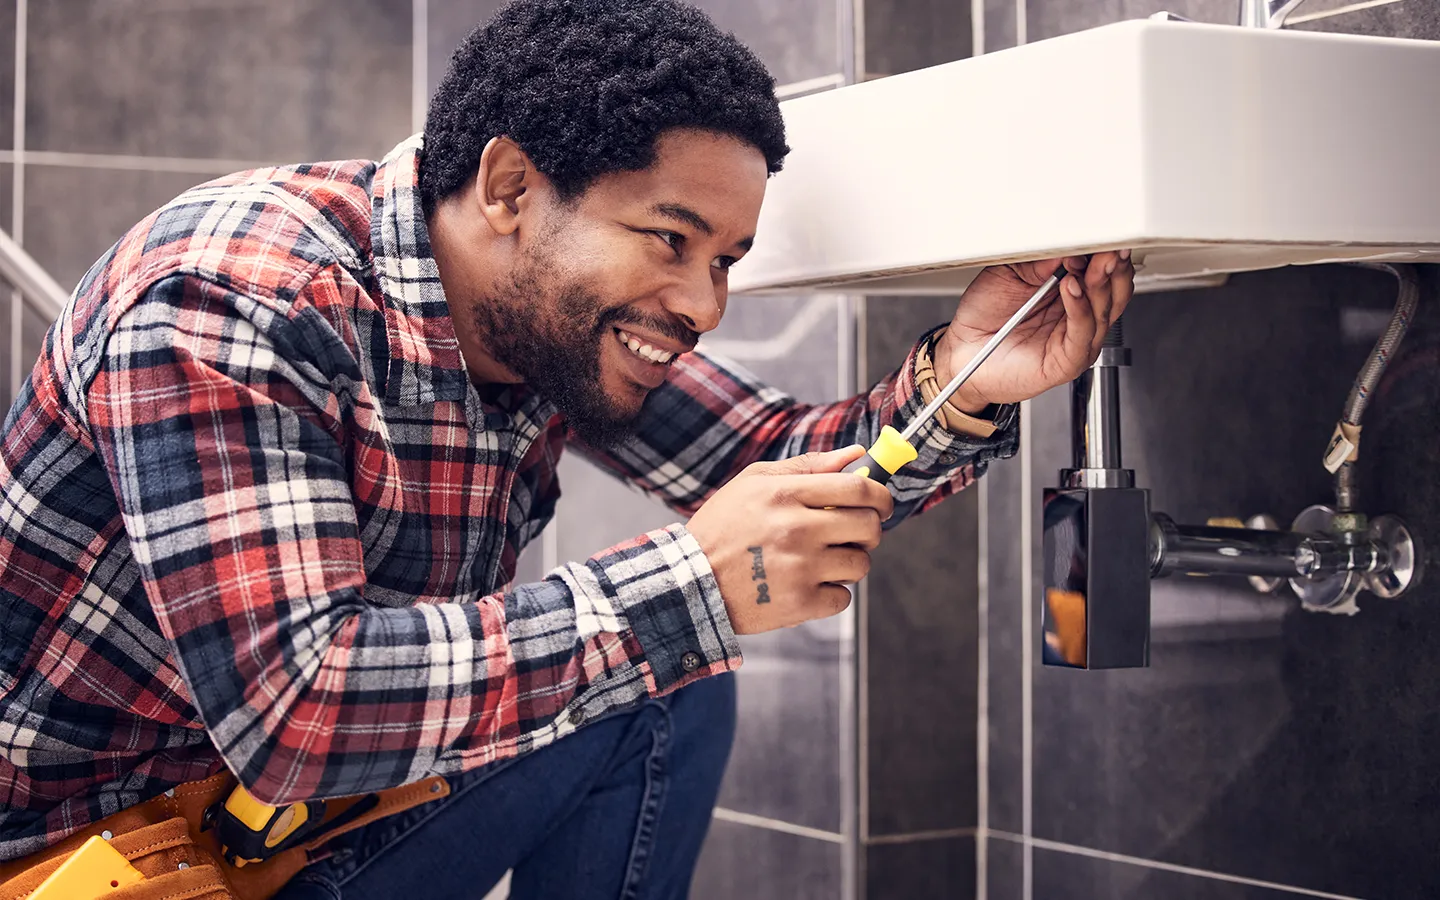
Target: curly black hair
586,86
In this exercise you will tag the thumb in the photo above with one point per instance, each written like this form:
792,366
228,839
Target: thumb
810,463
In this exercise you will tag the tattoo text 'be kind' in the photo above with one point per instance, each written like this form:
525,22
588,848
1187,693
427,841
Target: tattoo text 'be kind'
757,573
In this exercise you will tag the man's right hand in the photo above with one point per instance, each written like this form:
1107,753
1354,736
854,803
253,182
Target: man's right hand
783,538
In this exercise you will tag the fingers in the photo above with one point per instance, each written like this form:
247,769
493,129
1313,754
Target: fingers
1122,285
807,463
825,490
833,599
1097,291
843,565
859,528
1094,297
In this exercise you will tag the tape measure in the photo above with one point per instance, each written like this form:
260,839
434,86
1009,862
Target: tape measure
251,831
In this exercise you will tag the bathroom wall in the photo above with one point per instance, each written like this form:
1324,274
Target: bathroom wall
1267,752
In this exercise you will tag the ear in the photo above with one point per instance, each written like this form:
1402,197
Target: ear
505,174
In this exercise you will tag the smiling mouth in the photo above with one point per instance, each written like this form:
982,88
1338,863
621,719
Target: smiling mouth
643,350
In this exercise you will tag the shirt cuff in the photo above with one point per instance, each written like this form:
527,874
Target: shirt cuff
940,450
663,586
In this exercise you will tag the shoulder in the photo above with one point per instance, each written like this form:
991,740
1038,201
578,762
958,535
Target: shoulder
264,233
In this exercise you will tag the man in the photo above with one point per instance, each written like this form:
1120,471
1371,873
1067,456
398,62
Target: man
265,488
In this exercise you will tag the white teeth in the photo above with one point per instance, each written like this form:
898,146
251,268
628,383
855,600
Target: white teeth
644,351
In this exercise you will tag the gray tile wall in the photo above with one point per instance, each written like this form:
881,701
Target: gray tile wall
130,102
1266,750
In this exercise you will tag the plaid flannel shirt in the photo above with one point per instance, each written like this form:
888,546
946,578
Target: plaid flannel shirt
253,513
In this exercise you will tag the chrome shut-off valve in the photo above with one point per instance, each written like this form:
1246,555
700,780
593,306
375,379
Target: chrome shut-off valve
1103,544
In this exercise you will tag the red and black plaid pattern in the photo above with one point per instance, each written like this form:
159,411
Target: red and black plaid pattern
253,513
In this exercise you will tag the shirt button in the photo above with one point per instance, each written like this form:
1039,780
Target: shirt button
576,717
949,459
690,661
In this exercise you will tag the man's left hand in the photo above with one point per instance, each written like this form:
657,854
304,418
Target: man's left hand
1058,341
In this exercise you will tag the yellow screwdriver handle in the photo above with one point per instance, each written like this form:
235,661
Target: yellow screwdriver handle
888,455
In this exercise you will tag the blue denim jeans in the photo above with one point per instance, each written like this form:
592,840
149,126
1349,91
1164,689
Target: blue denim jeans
615,811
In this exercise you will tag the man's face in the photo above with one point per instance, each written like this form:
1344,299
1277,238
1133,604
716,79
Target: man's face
612,286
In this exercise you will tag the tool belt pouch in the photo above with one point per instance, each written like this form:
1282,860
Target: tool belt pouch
165,840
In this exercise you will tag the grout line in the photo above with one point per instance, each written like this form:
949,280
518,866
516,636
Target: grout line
754,821
1027,586
419,63
857,21
1027,562
1078,850
862,634
17,198
122,161
845,668
982,692
915,837
977,27
809,85
1338,11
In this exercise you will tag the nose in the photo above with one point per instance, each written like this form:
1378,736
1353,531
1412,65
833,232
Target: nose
699,302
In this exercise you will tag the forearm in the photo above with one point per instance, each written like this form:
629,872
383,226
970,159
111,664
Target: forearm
387,696
711,419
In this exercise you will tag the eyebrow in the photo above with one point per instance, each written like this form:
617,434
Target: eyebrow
688,216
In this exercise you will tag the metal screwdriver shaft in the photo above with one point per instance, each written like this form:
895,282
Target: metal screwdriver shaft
969,369
892,450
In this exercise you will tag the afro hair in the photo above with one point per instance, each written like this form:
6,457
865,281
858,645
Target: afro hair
585,87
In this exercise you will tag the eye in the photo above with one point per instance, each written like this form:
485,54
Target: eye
724,262
672,240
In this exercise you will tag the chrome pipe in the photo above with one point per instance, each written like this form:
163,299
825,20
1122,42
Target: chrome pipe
1266,13
27,276
1206,550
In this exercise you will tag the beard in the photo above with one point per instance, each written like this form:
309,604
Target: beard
549,331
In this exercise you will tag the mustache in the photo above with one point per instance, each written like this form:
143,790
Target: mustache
613,318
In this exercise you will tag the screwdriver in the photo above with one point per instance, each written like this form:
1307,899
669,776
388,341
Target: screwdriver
893,449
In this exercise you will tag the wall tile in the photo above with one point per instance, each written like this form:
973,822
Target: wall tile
74,215
447,25
1407,19
32,334
1075,877
921,632
1005,605
1050,18
795,40
741,861
265,80
7,75
921,870
7,193
1005,870
786,761
904,35
999,25
922,703
1272,744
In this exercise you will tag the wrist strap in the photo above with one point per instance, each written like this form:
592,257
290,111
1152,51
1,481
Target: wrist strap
950,417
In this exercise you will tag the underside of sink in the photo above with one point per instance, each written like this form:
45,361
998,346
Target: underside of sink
1208,149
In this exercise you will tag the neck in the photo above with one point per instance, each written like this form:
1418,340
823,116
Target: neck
460,250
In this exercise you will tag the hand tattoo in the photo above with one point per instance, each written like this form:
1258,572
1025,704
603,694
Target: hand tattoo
757,573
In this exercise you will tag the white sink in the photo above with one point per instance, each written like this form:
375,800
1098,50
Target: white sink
1209,149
